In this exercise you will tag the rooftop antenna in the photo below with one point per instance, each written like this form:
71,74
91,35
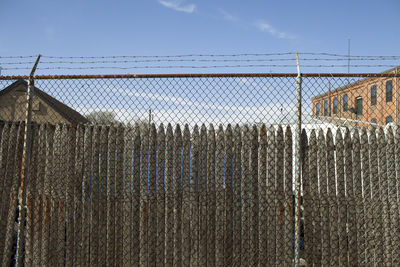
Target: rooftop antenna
348,58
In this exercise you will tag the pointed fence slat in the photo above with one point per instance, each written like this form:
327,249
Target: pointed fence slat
194,199
12,176
351,205
288,198
271,195
152,195
135,253
30,198
118,206
186,197
253,196
323,197
245,187
383,179
280,195
102,218
392,198
38,220
144,200
5,137
237,178
160,195
376,200
262,195
358,198
306,190
220,198
203,197
211,235
367,207
342,221
169,204
127,198
110,196
177,176
47,201
332,201
94,203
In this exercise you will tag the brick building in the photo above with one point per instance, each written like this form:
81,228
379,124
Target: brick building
370,101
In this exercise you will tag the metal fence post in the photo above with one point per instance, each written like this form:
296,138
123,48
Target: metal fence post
25,166
297,167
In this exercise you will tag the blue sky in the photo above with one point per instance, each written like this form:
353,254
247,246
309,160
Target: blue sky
173,27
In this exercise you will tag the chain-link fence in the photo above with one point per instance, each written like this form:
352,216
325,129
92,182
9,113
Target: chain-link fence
200,169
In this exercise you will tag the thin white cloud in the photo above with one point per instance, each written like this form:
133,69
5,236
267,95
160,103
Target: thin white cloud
266,27
228,16
178,5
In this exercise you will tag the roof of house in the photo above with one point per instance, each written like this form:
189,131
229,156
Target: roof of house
354,83
68,113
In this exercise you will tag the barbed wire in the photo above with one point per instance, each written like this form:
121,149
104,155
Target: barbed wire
187,60
200,67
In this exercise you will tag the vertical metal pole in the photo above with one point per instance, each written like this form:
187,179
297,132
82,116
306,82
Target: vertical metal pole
297,168
395,96
25,166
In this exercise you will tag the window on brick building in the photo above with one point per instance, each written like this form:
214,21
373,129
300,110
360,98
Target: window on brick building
326,108
345,102
335,105
317,109
359,106
373,95
389,119
389,88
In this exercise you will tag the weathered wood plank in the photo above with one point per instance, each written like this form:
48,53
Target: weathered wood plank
220,198
194,199
186,198
376,200
262,195
271,195
392,198
237,179
144,200
111,196
211,206
288,198
152,223
383,180
203,197
102,218
169,193
280,196
136,177
307,197
119,196
323,197
332,200
177,196
127,198
245,187
160,195
358,198
12,176
342,221
351,207
47,194
38,220
253,196
367,200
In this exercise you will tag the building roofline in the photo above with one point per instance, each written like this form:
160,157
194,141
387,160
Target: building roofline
353,84
51,101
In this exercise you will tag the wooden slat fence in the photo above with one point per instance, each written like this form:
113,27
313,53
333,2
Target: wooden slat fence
120,196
